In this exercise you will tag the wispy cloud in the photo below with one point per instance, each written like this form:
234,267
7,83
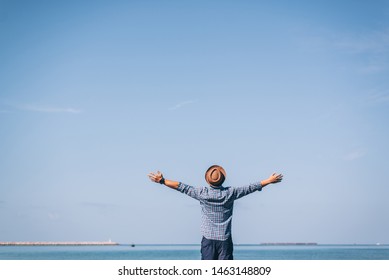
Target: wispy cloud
53,216
368,43
354,155
373,46
378,96
98,205
50,109
182,104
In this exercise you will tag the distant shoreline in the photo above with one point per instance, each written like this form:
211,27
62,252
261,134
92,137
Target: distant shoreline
110,243
289,244
45,243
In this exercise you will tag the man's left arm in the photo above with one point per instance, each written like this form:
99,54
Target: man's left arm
273,179
245,190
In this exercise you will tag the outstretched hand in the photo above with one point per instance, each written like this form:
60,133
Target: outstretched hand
155,177
158,178
275,178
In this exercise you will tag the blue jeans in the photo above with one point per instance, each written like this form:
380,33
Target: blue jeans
217,249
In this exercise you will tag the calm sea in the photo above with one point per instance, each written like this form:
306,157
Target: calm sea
192,252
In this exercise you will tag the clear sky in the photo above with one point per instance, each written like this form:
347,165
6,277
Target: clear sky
96,94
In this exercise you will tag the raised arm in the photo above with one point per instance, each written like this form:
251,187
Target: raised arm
158,178
245,190
274,178
185,189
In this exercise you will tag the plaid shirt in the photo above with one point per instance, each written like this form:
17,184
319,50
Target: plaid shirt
217,206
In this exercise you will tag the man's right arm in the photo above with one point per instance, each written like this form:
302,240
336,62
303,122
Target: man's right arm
158,178
186,189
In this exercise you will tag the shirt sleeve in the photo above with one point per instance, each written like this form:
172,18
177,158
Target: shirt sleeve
239,192
189,190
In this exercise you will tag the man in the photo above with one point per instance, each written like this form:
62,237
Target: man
217,204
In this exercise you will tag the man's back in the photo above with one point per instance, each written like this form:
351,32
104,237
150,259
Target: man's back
217,207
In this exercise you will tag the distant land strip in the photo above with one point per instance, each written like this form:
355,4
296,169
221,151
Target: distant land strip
65,243
290,243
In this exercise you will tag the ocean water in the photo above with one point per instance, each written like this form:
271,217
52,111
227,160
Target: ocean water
192,252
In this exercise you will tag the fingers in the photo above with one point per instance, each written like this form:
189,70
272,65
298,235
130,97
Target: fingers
155,177
152,176
277,177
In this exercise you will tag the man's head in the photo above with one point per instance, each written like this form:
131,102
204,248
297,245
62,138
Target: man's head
215,175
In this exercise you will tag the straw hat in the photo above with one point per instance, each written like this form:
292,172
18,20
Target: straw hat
215,175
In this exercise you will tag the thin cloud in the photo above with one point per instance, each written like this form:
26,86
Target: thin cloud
53,216
182,104
49,109
379,96
98,205
354,155
374,43
374,46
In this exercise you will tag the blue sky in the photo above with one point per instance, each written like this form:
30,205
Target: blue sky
96,94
